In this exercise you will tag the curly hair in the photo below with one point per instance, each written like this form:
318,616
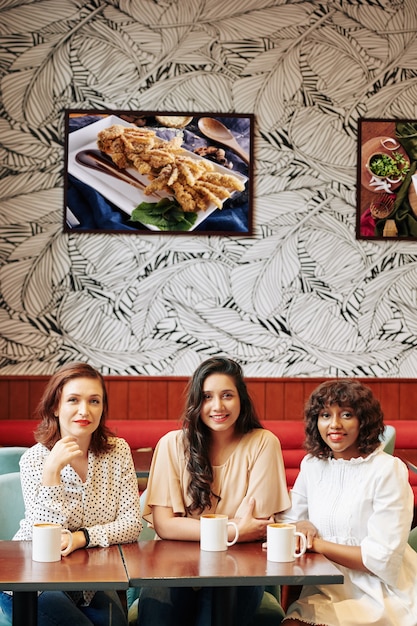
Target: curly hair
345,393
48,430
197,436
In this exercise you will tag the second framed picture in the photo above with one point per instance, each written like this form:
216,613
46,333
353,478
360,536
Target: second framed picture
387,179
144,172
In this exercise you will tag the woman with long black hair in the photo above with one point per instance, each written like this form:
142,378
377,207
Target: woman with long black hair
222,461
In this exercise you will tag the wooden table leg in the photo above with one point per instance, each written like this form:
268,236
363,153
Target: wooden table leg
25,608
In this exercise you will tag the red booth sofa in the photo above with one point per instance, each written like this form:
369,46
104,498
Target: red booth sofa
146,433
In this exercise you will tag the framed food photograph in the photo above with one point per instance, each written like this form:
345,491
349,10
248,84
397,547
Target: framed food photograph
387,179
144,172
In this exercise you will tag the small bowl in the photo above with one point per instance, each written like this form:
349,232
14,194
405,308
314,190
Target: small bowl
173,121
393,181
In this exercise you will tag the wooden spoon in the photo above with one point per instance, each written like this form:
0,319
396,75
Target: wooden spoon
213,129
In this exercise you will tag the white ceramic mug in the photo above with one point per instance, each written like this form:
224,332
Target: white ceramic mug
213,532
46,542
280,543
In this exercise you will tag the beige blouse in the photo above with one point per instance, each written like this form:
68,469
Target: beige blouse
254,469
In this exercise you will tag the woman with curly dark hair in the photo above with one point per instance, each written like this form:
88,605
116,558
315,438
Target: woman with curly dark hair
344,393
354,503
222,461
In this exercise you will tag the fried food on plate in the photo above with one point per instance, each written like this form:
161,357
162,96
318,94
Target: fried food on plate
194,182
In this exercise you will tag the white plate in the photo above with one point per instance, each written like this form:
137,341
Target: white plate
120,193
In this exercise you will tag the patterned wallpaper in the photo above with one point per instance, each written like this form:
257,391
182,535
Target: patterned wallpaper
302,296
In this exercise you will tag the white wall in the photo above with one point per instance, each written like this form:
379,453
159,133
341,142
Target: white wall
303,296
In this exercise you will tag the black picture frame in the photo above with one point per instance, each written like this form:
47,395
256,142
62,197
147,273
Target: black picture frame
386,180
100,201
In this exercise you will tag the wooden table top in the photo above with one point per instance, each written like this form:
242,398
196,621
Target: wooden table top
142,461
92,568
182,563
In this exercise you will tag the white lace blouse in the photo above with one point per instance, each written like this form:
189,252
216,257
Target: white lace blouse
364,502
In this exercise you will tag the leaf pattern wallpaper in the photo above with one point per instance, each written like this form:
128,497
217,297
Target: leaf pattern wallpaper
301,296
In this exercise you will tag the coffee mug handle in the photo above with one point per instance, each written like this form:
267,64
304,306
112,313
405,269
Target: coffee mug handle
69,546
230,543
303,544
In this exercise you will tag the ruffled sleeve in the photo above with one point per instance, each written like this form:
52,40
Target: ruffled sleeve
389,525
265,480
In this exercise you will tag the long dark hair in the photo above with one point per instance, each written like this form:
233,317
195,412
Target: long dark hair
197,436
48,431
345,393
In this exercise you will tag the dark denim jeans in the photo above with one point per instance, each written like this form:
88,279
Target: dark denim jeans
183,606
56,608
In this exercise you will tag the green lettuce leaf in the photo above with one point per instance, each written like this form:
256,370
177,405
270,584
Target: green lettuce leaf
166,214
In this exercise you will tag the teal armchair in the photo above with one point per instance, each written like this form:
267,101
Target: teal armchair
9,458
412,538
12,508
388,439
